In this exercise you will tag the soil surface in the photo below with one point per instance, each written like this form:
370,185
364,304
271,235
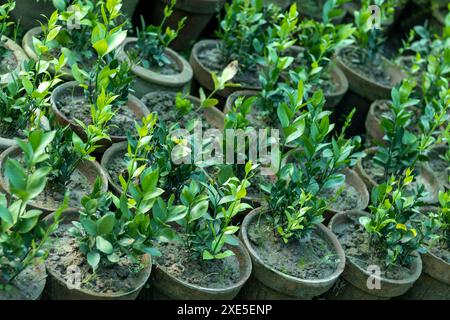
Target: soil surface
27,285
8,61
356,243
311,259
348,199
213,59
79,108
10,130
164,104
373,69
167,69
179,262
70,264
117,166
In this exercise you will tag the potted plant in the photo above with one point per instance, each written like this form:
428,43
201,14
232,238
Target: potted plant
103,250
197,13
317,43
156,66
22,248
434,282
25,100
12,57
242,38
380,247
214,263
370,74
402,148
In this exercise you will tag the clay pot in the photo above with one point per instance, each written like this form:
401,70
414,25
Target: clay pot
373,120
351,179
166,286
203,74
267,283
116,151
213,116
441,177
58,289
27,290
364,86
149,81
198,13
355,279
234,96
134,104
428,179
19,56
90,169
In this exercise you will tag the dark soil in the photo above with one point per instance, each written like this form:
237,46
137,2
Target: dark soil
117,166
348,199
27,285
168,69
78,108
373,69
356,243
8,61
311,259
178,261
164,104
254,190
10,130
213,59
68,263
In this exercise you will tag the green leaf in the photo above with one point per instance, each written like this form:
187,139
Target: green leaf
6,216
93,259
106,224
103,245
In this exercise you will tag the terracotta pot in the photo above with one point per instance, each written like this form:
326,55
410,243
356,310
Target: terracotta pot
441,177
149,81
213,116
203,74
373,121
166,286
134,104
355,278
27,290
429,180
19,56
58,289
351,179
90,169
198,13
268,283
364,86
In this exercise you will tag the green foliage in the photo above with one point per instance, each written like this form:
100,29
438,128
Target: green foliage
5,24
22,235
391,232
153,40
243,30
440,220
208,210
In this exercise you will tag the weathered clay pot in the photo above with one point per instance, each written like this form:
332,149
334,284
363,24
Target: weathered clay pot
442,177
166,286
364,86
58,289
203,75
134,104
351,179
355,279
198,13
267,283
116,151
234,96
428,179
90,169
213,116
28,291
6,143
373,121
19,56
149,81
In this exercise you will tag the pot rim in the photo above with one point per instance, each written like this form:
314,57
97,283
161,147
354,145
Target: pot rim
107,157
417,264
14,150
19,55
177,80
345,68
146,257
332,239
